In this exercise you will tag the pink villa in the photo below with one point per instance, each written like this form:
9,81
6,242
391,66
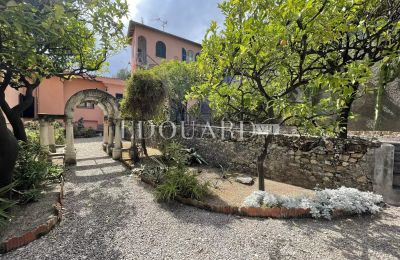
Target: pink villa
52,95
149,47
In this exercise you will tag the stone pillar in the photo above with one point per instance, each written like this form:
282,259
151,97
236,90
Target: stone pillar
110,143
44,134
123,129
105,133
52,138
70,153
117,152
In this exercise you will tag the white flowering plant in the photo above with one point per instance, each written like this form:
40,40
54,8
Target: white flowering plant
323,204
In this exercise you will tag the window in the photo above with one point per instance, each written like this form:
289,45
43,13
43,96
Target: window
142,50
183,54
161,50
190,56
119,96
30,111
87,104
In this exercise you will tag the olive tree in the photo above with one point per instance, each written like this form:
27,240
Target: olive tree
143,99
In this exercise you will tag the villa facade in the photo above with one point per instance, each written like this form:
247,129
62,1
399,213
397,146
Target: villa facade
149,46
52,95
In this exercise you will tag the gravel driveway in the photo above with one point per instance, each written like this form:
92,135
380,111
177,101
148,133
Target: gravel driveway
111,215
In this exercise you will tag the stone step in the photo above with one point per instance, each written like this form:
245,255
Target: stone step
396,179
396,187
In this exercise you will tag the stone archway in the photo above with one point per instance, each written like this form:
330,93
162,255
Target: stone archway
112,142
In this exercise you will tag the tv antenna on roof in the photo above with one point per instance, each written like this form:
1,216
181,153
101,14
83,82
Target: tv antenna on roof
163,22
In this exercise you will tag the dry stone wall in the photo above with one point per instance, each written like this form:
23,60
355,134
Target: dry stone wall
303,161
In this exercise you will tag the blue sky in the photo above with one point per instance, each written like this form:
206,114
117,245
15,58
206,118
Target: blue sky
186,18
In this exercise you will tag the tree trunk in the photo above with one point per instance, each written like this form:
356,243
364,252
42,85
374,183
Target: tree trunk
378,106
143,141
134,149
8,153
260,162
14,117
345,113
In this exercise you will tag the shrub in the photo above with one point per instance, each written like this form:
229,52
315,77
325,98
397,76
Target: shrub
154,174
81,132
347,200
178,181
59,133
32,169
90,132
5,204
32,129
174,154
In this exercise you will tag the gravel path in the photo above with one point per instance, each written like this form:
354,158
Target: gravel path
111,215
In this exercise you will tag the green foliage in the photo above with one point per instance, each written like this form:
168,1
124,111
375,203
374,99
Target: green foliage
32,129
85,133
5,204
294,61
178,77
59,133
144,95
58,38
178,181
123,74
32,169
80,131
174,154
389,70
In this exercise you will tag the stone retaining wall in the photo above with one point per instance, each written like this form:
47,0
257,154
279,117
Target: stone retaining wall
308,162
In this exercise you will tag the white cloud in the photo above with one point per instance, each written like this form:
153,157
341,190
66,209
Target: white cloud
133,10
186,18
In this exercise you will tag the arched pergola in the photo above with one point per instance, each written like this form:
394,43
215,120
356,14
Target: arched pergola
112,122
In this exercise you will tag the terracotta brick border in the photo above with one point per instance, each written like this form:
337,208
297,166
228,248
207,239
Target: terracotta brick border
246,211
20,241
243,211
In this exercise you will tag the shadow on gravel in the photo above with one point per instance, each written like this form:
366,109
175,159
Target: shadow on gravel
359,237
93,225
193,215
96,166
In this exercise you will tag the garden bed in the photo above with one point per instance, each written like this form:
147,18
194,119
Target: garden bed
30,221
218,190
226,191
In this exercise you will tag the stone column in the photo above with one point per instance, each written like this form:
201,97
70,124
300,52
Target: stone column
44,134
110,144
123,129
117,152
105,133
70,153
52,138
